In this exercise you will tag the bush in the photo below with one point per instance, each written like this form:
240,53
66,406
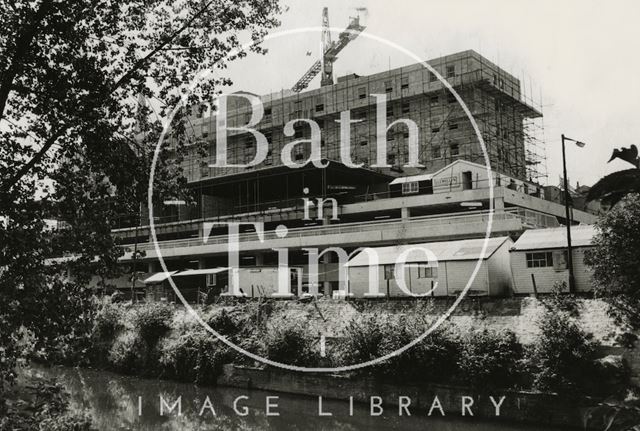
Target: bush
563,357
127,354
195,356
490,359
108,322
363,339
225,322
42,406
289,342
152,322
432,360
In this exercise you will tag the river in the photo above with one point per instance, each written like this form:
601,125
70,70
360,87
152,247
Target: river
118,402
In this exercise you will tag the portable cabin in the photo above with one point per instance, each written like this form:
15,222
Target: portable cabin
539,259
437,269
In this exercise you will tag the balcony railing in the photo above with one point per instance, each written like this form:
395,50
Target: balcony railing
395,225
292,205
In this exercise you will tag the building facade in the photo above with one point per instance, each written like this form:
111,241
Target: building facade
450,198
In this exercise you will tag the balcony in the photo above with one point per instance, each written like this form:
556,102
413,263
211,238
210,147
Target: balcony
348,235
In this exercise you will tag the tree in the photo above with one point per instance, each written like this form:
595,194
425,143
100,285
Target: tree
75,141
613,187
614,258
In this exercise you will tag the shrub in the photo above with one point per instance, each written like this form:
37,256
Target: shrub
127,353
153,321
362,339
225,322
290,343
195,356
433,359
370,337
490,359
108,322
43,406
563,357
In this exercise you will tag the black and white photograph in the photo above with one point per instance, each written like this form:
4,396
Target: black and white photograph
319,215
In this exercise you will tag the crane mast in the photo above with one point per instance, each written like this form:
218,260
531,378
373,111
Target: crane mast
330,51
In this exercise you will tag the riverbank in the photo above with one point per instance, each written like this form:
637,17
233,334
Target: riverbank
431,400
471,357
120,402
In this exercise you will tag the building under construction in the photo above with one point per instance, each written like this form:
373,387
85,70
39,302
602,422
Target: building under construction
448,198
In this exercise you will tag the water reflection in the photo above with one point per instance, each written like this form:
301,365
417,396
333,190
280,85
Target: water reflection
113,402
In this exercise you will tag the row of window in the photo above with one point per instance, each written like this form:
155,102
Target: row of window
556,259
424,271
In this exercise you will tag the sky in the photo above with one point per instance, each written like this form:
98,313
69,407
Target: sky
580,58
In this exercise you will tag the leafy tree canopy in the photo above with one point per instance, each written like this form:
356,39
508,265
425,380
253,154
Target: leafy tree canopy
75,141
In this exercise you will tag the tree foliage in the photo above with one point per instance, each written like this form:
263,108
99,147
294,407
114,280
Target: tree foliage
83,86
615,260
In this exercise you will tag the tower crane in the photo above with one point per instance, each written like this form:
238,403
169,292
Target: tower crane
330,51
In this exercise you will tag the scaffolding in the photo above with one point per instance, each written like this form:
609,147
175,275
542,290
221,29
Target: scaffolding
508,117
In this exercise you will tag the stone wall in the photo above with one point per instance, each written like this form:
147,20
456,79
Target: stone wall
544,409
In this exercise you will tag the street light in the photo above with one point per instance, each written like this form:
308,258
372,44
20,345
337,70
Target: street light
566,209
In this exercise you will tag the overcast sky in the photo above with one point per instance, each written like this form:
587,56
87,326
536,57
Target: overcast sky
582,57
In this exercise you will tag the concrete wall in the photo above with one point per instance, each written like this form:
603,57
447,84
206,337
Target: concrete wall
543,409
546,277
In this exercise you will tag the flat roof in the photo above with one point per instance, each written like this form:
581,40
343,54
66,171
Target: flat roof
201,271
411,179
466,249
556,237
159,277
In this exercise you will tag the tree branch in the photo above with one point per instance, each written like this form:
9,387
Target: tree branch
8,185
21,49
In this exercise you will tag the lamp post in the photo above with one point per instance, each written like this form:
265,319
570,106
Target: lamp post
567,210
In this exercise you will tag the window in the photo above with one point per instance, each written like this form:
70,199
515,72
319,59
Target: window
360,115
363,143
539,260
495,79
451,71
435,129
453,126
451,98
298,132
299,152
404,82
560,260
320,107
406,107
362,92
432,77
436,153
267,112
389,272
425,271
211,279
388,86
409,188
391,159
405,135
389,110
454,149
433,100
